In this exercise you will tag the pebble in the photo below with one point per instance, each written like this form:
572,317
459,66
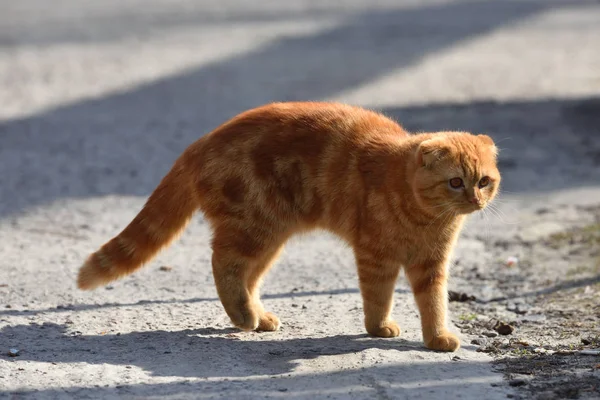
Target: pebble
461,297
541,350
479,341
518,307
14,352
505,329
490,334
512,261
517,382
165,268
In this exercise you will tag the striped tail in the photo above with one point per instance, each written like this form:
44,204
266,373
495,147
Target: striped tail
165,214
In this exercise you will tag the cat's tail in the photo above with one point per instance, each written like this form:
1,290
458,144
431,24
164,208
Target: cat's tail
165,214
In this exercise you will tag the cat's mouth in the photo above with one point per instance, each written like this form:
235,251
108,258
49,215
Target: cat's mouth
468,208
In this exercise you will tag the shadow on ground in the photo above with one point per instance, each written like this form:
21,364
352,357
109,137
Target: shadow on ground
124,143
249,366
566,285
566,375
186,353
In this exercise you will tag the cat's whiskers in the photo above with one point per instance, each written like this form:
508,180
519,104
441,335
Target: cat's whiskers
443,204
438,216
486,224
500,215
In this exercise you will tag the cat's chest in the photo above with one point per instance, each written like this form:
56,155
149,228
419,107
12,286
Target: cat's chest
421,245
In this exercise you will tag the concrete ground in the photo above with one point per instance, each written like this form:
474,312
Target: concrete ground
99,98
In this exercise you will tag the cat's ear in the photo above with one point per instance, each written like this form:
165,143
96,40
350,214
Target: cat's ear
489,141
430,151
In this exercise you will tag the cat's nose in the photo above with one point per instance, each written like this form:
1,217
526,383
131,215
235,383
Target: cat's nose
474,200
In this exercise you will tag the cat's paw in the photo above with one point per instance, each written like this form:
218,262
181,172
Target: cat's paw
245,319
445,342
268,322
387,330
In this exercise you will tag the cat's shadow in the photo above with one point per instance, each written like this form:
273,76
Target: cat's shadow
203,352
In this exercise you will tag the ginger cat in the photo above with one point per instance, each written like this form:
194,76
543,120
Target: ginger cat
398,199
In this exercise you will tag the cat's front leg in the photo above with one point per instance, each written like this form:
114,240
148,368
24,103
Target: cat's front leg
429,284
377,278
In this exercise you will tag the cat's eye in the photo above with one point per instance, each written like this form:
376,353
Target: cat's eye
483,182
456,183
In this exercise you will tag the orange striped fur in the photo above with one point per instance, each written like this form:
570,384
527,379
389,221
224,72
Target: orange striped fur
286,168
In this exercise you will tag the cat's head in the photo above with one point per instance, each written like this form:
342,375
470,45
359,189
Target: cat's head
456,171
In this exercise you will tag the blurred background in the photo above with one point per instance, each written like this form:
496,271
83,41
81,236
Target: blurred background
98,98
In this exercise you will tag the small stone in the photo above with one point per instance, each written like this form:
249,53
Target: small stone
522,309
541,350
109,287
283,390
505,329
479,341
294,305
490,334
165,268
586,342
460,297
517,382
512,261
14,352
8,306
304,307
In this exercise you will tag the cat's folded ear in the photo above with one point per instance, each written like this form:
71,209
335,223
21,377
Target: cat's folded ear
489,141
431,150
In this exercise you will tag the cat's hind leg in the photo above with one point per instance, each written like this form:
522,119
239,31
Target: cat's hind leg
377,280
240,259
268,321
